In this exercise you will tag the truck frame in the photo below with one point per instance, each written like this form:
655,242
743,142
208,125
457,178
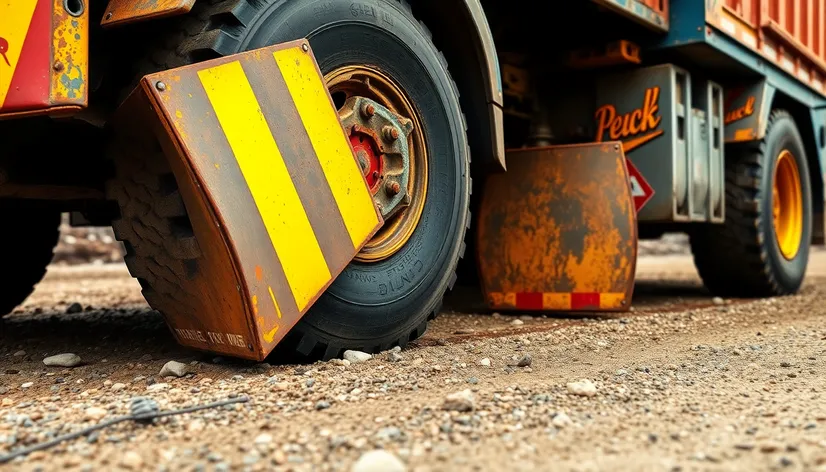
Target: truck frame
592,124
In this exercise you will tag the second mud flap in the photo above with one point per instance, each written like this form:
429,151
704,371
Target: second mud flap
558,231
277,201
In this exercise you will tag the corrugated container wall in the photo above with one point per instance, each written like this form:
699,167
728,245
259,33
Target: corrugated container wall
787,32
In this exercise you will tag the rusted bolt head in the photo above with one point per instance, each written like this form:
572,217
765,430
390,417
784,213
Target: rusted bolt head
393,187
160,86
109,16
305,47
368,110
375,174
390,133
57,66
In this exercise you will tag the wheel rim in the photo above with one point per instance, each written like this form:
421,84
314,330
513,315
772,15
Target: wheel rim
368,82
787,205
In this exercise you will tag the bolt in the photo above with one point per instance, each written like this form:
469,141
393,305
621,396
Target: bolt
368,110
58,66
109,16
356,129
375,174
305,47
160,86
390,133
393,187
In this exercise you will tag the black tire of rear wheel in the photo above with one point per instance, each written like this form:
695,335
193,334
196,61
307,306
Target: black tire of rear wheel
741,258
27,249
370,307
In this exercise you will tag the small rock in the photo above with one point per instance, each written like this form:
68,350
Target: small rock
517,323
769,447
20,353
583,388
785,364
378,461
118,387
394,356
459,401
465,331
157,387
173,369
263,439
485,362
718,301
524,361
7,402
94,413
131,460
785,461
322,405
561,420
63,360
356,357
27,385
744,446
74,308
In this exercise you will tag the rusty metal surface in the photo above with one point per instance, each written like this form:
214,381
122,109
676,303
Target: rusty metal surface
44,58
558,230
120,12
254,288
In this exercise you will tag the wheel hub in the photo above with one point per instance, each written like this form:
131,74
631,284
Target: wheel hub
379,139
787,205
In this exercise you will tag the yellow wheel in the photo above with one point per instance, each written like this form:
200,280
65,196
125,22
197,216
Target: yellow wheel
787,205
762,249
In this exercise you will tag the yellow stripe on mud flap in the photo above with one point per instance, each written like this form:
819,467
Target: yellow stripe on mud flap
264,170
324,129
15,18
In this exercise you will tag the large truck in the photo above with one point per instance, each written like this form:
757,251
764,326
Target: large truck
591,124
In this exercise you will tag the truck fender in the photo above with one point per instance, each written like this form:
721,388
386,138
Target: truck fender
747,108
474,66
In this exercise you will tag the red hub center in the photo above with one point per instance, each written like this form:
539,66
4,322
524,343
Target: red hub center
369,159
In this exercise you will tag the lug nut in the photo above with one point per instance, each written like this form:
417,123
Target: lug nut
390,133
368,110
393,187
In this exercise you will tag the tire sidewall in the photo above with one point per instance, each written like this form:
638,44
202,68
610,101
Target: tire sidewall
383,302
785,136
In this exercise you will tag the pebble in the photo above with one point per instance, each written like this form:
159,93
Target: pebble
785,364
770,447
20,353
378,460
74,308
117,387
583,388
517,323
173,369
27,385
524,361
263,439
322,405
394,356
718,301
94,413
561,420
485,362
459,401
356,357
63,360
157,387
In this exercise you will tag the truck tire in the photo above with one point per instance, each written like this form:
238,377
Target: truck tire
762,249
374,304
27,249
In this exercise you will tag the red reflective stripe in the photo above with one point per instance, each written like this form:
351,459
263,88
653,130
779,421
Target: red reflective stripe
29,88
581,301
529,300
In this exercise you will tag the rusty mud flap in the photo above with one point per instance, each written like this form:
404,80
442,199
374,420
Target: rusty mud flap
558,231
276,198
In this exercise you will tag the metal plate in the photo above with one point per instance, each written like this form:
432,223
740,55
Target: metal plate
747,111
130,11
276,197
44,57
558,231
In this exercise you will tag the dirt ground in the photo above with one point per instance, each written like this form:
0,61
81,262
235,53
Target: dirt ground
684,382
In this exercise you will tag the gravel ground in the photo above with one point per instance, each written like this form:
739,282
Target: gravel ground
684,382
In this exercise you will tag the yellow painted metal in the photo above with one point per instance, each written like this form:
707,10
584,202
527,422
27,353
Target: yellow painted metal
14,23
268,179
328,140
70,61
787,205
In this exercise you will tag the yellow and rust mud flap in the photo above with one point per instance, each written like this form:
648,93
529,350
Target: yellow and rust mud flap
121,12
277,200
558,231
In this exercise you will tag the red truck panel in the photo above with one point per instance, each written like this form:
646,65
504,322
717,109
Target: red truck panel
787,32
